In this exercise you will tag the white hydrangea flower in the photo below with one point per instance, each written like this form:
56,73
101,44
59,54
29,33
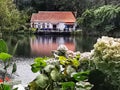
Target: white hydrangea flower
86,55
108,48
62,47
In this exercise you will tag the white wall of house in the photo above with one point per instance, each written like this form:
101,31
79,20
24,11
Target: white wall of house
74,26
50,25
41,25
61,26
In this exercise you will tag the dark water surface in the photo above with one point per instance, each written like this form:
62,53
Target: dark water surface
33,46
26,47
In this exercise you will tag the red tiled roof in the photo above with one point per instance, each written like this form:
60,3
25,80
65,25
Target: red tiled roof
54,16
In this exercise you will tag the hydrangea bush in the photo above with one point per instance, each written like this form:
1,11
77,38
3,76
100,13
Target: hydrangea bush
63,71
68,70
106,56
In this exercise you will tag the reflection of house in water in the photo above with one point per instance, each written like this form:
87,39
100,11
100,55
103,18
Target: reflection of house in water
42,46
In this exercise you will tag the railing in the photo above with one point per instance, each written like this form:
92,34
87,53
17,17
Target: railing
55,32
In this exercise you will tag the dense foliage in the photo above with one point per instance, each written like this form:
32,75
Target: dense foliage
78,6
103,19
10,17
61,72
52,5
95,70
107,59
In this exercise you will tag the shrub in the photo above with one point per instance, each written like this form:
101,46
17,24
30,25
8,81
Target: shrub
61,72
107,59
6,61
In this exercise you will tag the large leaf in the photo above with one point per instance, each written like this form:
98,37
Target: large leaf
63,60
75,62
68,86
70,70
5,57
55,75
14,68
3,46
38,64
5,87
81,76
42,80
33,86
35,68
40,61
49,68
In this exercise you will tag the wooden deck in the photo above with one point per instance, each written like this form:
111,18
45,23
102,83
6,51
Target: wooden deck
52,32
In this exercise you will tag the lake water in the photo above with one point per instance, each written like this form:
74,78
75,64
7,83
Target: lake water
26,47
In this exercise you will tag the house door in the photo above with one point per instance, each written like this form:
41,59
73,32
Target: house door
54,27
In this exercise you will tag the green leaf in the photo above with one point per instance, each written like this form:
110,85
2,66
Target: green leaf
55,75
3,46
33,86
70,70
75,62
15,89
5,87
62,60
49,68
35,68
68,86
38,64
5,57
14,68
42,80
81,76
6,66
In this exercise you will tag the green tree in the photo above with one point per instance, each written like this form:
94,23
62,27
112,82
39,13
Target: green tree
10,17
102,19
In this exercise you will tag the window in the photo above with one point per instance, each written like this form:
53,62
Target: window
47,25
43,25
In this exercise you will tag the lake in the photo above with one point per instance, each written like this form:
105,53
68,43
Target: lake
26,47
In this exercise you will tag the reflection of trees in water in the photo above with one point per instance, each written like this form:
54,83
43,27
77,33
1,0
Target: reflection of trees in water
23,48
85,43
18,44
78,41
22,43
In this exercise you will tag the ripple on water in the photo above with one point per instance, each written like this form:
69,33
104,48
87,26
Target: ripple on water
24,72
